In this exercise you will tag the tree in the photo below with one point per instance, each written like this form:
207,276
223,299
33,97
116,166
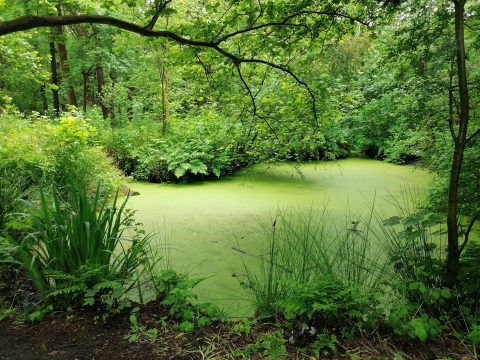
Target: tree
461,138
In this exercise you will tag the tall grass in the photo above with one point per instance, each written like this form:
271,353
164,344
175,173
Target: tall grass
414,238
11,189
306,246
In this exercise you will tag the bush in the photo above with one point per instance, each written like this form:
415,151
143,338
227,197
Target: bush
194,148
38,151
422,306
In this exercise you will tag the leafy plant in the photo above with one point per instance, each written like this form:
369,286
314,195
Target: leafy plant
79,249
309,248
140,332
176,291
323,342
271,345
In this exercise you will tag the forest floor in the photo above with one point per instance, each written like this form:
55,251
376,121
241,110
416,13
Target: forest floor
82,335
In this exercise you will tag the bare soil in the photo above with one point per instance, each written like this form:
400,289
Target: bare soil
82,335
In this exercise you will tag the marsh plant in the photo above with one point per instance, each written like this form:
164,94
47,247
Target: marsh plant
81,249
305,248
316,273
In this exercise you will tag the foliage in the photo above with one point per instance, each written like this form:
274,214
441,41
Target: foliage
271,345
176,292
424,307
11,190
140,332
39,151
79,253
302,245
192,150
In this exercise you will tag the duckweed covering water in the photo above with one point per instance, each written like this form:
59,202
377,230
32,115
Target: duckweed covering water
206,224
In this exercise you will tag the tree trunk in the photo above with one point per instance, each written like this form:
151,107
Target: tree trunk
62,51
101,90
453,256
85,75
113,80
130,91
164,76
43,95
53,69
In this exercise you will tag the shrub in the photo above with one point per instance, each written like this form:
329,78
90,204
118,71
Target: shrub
422,306
194,148
38,151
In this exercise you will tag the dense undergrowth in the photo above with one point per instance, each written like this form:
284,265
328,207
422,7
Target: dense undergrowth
319,282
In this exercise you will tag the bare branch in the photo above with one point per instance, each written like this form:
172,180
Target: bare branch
473,136
205,68
293,75
254,105
158,11
467,232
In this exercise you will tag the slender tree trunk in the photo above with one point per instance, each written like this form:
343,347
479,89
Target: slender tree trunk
130,91
164,76
113,80
101,90
62,51
43,95
71,97
53,69
453,257
85,75
165,92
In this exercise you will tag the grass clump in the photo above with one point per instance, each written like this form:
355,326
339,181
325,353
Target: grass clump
82,251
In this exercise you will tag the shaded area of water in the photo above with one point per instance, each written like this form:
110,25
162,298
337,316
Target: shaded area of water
205,222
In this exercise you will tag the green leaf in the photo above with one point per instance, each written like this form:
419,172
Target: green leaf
419,329
216,170
394,220
186,326
179,172
446,293
187,315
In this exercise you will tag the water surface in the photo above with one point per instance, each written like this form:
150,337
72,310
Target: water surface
205,222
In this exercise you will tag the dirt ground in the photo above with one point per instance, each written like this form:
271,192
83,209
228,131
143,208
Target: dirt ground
82,335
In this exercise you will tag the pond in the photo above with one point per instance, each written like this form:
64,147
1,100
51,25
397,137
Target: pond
207,224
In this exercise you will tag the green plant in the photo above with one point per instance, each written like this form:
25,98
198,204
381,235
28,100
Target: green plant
140,332
271,345
325,303
12,187
36,150
77,252
423,306
176,291
323,342
310,247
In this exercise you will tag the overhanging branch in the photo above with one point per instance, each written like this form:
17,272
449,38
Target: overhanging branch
31,22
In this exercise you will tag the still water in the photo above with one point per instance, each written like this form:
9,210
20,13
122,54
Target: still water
205,224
